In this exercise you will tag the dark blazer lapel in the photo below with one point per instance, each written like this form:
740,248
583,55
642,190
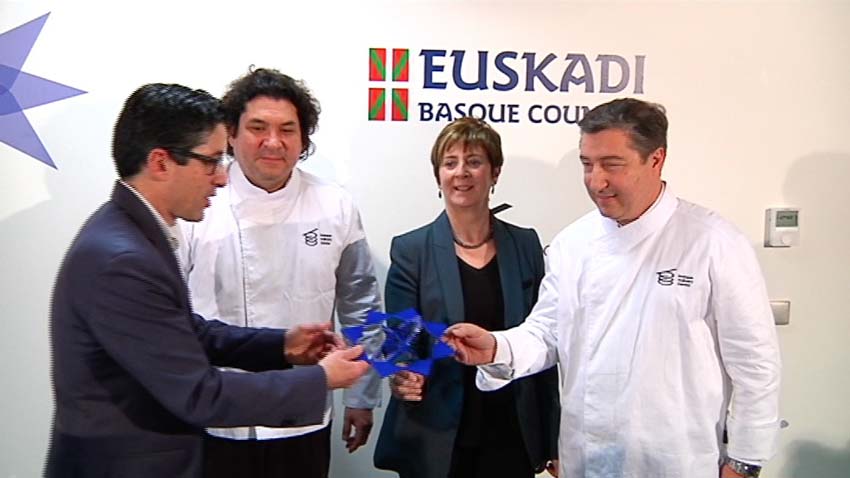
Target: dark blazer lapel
447,268
509,271
141,215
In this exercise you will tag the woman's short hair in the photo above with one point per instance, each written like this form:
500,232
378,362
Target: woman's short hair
469,132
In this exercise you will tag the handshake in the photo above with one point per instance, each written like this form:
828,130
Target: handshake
317,343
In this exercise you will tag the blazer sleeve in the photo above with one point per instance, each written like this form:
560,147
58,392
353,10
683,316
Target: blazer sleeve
251,349
136,316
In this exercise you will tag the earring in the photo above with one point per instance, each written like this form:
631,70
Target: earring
493,189
440,193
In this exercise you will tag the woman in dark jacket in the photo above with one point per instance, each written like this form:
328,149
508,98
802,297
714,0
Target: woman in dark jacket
467,266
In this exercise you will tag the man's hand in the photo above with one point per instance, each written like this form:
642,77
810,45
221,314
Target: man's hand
472,344
361,420
306,344
408,386
726,471
342,368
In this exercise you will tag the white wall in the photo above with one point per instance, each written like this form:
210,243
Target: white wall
756,95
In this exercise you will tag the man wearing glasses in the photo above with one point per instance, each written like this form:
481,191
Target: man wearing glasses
280,247
133,367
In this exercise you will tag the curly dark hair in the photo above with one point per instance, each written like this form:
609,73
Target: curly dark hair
273,84
159,115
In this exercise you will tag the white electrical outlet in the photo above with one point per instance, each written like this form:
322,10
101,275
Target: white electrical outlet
781,311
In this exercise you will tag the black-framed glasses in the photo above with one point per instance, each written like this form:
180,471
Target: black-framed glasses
212,162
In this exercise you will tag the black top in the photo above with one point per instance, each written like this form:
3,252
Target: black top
487,417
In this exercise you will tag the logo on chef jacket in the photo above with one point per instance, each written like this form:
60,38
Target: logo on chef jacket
670,277
313,238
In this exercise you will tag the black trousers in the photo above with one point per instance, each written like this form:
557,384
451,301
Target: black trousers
303,456
491,461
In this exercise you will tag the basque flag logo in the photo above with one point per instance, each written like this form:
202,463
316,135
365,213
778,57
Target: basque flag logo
399,97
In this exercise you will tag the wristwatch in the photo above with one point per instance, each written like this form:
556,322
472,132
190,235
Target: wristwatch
745,469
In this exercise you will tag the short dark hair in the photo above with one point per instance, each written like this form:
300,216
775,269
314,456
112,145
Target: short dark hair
273,84
159,115
645,122
468,131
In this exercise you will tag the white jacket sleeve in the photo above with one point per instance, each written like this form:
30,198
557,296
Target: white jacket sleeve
749,350
533,345
357,293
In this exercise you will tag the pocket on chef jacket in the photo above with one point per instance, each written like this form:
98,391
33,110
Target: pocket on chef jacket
690,303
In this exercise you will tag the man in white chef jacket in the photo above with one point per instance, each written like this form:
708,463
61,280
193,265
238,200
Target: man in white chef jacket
280,247
657,312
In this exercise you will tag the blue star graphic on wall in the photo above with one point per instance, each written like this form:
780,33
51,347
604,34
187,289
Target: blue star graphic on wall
20,91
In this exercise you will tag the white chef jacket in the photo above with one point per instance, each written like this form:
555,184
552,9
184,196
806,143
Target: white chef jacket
281,259
660,326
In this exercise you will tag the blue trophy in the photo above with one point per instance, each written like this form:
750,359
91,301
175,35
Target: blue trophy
401,341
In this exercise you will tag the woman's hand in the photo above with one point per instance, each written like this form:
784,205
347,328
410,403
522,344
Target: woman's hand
408,386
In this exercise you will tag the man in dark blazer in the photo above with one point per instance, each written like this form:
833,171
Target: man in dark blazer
134,370
417,438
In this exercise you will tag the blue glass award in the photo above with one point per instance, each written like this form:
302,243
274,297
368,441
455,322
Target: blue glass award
401,341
